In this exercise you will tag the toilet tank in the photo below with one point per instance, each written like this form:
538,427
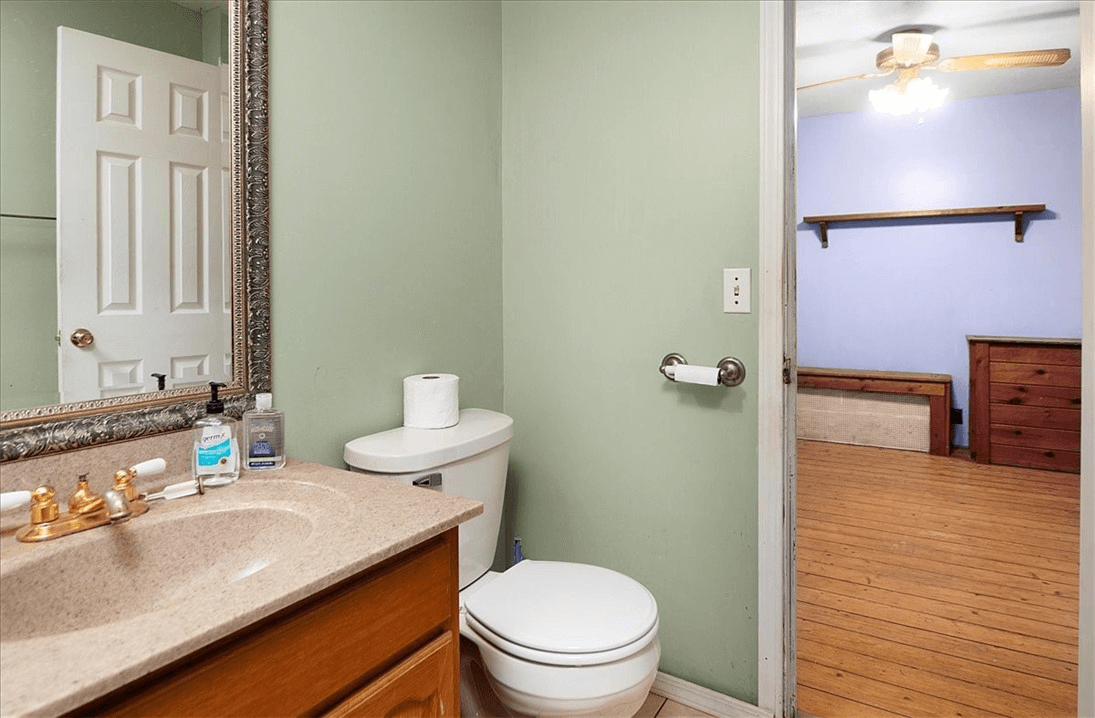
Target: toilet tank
471,457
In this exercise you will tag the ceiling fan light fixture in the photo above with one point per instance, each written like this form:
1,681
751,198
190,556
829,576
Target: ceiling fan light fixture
918,95
910,48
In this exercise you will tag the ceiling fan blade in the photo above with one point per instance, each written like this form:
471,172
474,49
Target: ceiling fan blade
1004,60
845,79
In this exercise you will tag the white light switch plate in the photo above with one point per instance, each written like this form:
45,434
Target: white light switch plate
737,288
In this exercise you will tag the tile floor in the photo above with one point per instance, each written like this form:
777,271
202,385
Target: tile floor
657,706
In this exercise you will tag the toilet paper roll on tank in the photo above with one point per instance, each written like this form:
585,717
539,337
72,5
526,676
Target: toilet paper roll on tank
431,401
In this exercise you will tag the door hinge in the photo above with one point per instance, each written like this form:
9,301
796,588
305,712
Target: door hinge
786,370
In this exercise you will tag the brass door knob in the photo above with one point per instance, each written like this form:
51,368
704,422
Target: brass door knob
82,338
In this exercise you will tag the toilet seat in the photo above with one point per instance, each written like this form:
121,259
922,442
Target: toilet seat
560,659
566,614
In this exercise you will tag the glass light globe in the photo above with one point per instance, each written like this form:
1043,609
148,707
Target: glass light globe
919,95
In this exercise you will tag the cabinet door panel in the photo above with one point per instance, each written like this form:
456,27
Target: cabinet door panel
419,687
296,664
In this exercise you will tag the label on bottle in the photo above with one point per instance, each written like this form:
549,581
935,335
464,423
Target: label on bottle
214,451
261,455
261,449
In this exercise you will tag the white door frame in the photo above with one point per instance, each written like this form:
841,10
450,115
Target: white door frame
776,442
776,355
1086,671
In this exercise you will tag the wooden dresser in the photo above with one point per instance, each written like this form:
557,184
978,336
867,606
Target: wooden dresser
1025,402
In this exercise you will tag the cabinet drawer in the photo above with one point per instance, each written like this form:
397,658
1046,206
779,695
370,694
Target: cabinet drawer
1035,437
423,686
1043,375
1036,458
297,661
1034,354
1020,395
1035,416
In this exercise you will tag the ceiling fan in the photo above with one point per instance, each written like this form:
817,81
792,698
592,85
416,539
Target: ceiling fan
913,51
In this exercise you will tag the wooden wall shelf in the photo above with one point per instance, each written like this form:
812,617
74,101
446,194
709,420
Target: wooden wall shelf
824,220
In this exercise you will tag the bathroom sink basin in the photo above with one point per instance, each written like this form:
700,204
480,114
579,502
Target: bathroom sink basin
150,563
88,614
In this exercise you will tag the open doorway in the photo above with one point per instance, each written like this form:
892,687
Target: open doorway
935,279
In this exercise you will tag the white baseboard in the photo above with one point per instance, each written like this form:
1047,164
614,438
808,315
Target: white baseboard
705,699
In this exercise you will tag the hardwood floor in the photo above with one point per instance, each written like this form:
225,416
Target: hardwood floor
934,586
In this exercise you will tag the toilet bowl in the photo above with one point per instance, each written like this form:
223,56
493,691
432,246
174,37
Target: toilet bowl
552,638
564,639
527,689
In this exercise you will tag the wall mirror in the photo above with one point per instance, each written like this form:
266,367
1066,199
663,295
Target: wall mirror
232,36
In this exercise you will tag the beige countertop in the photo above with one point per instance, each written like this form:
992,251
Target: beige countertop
302,529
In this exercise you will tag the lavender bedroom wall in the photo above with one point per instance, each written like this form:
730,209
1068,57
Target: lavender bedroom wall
903,295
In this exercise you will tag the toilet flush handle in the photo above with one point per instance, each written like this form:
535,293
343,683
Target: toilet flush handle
429,481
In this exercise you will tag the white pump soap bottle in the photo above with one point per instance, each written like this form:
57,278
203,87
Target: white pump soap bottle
216,446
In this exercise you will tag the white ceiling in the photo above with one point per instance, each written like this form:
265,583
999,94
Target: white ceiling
837,38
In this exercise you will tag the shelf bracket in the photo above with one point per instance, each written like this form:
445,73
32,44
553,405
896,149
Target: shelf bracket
1018,226
824,234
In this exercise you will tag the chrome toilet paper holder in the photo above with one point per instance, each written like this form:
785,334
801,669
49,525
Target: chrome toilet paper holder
731,369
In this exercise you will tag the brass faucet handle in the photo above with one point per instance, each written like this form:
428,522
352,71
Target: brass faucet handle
123,479
123,483
43,505
83,500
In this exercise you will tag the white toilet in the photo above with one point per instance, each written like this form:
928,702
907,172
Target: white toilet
555,639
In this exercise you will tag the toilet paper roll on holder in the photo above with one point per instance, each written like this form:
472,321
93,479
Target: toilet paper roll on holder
731,370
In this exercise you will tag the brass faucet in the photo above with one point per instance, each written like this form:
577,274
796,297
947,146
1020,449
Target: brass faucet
86,509
83,501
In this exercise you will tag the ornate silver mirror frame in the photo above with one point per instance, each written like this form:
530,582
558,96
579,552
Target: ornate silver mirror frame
45,430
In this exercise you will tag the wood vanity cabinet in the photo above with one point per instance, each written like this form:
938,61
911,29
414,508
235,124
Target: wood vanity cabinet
383,643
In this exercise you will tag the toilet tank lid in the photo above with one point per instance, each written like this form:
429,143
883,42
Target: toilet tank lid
405,450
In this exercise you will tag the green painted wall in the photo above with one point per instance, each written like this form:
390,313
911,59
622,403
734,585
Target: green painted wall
386,240
28,313
216,47
630,180
558,184
28,73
